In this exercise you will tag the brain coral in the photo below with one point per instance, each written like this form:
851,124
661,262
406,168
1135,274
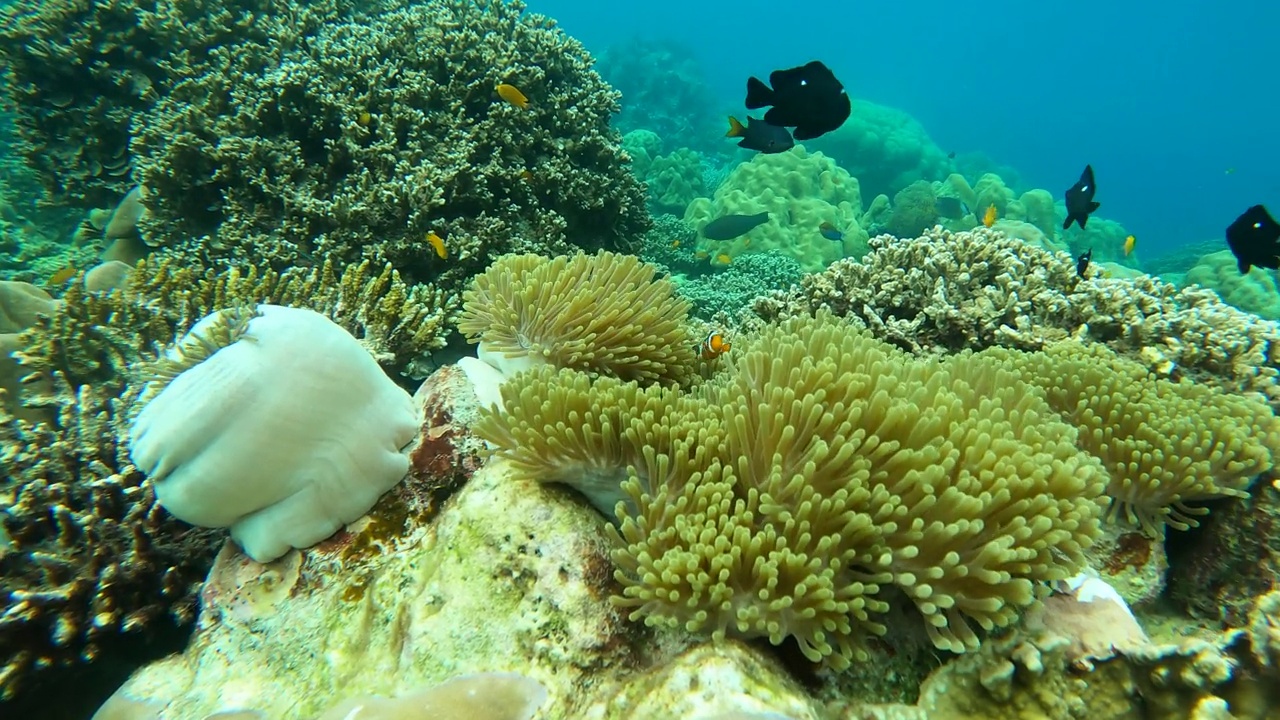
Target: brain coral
1255,292
817,469
800,191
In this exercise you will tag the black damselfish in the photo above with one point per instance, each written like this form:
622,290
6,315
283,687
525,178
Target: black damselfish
1082,262
807,98
760,135
1254,238
1080,199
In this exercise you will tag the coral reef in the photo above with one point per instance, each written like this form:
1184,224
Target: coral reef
663,91
674,180
952,291
326,131
800,191
602,313
370,133
817,469
1255,292
82,73
885,148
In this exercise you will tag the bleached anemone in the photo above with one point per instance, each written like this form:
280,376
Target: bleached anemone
274,422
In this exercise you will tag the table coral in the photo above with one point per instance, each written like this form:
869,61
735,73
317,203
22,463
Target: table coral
370,132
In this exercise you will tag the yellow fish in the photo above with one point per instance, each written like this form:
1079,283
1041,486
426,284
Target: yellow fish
701,254
436,242
61,275
512,94
724,259
364,118
1129,242
989,218
675,243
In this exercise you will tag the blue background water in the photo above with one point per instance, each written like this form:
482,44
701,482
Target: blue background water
1162,98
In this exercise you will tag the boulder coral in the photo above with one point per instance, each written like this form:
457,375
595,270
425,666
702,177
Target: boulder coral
1255,292
800,191
885,148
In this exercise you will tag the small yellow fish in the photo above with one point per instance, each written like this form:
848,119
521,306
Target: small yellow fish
1229,171
989,218
701,254
512,94
746,242
436,242
62,275
675,243
526,176
1129,242
723,259
364,119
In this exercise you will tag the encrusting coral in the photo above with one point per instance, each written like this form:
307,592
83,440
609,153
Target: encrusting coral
818,468
603,314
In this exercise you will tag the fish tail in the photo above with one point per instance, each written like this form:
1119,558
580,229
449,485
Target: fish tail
736,129
1094,206
1067,223
758,94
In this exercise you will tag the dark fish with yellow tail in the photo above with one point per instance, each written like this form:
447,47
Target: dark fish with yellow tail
1254,238
729,227
1080,199
760,135
830,232
808,98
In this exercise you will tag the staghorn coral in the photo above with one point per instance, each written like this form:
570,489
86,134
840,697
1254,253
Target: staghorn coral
976,289
87,555
374,130
604,313
81,73
815,471
1163,444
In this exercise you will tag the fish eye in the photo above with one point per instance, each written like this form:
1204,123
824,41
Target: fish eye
1257,225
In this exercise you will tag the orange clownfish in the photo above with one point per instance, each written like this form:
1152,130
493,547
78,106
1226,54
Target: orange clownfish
437,243
512,94
1129,242
714,346
989,218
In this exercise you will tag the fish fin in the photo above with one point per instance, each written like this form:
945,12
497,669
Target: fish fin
1094,206
802,133
1067,223
736,129
1243,265
758,94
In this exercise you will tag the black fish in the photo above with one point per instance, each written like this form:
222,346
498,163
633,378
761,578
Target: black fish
1082,262
1080,199
951,155
807,98
949,207
1254,239
731,226
760,135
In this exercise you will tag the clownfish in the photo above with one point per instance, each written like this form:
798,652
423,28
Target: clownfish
714,346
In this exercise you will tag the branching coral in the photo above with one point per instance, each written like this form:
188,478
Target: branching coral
87,554
373,131
1163,444
602,313
82,72
818,468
